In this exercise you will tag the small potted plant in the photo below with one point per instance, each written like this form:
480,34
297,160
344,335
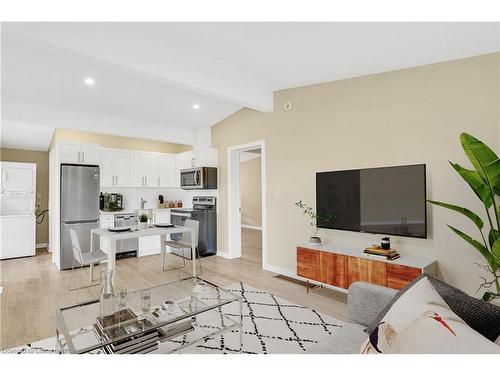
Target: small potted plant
315,217
143,220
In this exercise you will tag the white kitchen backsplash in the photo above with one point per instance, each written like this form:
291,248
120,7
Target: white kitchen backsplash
132,196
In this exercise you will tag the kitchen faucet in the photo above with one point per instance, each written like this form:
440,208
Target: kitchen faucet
143,202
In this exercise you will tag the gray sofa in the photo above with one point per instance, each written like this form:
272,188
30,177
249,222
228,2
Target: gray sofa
364,302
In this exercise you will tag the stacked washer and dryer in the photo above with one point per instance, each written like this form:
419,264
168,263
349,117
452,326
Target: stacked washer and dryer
17,210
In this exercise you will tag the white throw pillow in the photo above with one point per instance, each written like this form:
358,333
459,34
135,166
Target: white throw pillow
421,322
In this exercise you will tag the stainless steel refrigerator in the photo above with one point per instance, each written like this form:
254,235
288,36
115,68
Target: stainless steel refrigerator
79,206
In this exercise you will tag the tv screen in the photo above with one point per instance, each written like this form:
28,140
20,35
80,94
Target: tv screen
389,200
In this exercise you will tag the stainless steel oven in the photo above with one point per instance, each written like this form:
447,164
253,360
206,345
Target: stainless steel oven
199,178
205,212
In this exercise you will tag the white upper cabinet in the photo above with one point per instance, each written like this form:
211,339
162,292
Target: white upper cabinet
115,167
70,152
184,160
165,168
205,157
136,168
107,170
90,153
143,169
80,153
150,161
121,166
125,168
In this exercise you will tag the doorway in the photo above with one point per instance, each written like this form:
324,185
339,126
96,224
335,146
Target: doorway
247,202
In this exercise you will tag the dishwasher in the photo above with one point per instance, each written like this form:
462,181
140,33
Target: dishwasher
126,248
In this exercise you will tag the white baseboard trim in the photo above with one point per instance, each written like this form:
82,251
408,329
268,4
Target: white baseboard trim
41,245
247,226
225,255
280,270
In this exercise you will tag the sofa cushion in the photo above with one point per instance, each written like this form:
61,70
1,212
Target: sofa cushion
365,301
345,340
481,316
420,322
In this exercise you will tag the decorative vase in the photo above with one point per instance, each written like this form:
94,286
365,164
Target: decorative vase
315,240
107,298
143,224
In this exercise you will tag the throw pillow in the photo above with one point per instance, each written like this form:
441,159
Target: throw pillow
421,322
481,316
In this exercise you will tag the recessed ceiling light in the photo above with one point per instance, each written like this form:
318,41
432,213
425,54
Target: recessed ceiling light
196,106
89,81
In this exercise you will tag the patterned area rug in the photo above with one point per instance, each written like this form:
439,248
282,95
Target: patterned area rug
271,325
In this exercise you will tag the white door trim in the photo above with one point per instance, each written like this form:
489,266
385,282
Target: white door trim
233,197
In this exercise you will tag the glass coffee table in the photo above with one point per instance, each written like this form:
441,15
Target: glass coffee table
150,320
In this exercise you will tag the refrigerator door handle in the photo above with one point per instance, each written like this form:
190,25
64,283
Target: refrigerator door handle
78,222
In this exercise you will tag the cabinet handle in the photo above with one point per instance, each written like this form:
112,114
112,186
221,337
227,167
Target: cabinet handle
146,184
116,179
83,157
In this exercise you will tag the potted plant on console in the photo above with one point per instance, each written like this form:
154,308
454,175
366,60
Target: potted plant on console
314,217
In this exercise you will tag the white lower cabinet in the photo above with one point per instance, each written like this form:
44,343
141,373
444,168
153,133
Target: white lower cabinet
149,245
161,216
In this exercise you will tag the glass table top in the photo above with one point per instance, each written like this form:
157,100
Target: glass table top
171,308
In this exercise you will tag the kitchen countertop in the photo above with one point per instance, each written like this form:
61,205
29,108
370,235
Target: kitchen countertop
134,211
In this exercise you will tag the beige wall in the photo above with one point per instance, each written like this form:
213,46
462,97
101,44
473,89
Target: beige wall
250,186
41,158
113,141
401,117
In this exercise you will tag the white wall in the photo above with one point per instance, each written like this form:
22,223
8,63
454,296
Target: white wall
250,190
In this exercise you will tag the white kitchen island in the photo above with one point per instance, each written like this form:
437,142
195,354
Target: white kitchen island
113,237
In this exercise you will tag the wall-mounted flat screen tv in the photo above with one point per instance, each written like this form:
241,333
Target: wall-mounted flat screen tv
388,200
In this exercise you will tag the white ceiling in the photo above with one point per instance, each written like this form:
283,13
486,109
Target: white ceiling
148,75
25,136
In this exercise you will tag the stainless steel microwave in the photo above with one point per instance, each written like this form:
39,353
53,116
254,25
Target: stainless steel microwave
199,178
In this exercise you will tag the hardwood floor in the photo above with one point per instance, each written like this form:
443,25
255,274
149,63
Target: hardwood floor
251,245
33,287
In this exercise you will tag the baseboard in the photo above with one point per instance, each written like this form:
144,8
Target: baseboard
280,270
225,255
247,226
42,245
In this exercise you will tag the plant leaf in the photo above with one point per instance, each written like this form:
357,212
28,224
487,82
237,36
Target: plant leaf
464,211
476,183
493,236
483,250
484,160
487,296
495,251
493,172
478,153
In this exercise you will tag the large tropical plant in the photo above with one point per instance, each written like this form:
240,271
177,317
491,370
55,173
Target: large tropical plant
484,180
